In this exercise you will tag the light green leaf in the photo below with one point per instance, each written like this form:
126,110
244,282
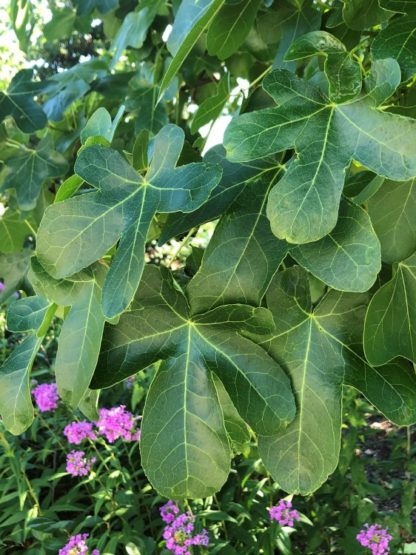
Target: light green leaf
343,73
100,124
18,102
349,257
68,188
390,329
80,337
303,206
398,40
242,256
212,107
61,25
230,28
75,233
318,348
30,169
192,18
392,210
16,407
159,326
14,230
134,28
89,404
382,80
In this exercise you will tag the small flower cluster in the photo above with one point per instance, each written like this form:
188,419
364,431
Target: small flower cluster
2,286
117,422
76,432
179,530
46,396
376,538
283,513
77,546
78,464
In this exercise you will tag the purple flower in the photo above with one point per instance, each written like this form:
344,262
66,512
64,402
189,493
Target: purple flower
2,286
77,546
78,464
283,513
118,422
46,396
76,432
169,511
179,532
375,538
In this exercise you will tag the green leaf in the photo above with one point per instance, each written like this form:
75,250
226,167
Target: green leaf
29,170
100,124
349,257
16,407
18,102
318,348
75,233
140,149
392,209
80,337
13,269
192,18
68,188
390,329
212,107
303,206
147,115
89,404
61,25
159,326
398,40
241,257
230,27
343,73
362,14
85,7
134,28
233,180
382,80
14,230
236,428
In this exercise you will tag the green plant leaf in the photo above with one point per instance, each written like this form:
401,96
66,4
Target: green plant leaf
318,348
80,337
392,209
16,407
390,329
61,25
343,73
362,14
14,230
30,169
398,41
303,206
382,80
242,256
230,28
192,18
85,7
211,107
75,233
349,257
18,102
100,124
159,326
13,269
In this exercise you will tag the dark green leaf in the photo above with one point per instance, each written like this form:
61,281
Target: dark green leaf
362,14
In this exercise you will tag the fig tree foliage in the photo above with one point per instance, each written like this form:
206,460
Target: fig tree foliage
307,283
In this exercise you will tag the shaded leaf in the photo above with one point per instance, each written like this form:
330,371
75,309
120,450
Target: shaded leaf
362,14
14,230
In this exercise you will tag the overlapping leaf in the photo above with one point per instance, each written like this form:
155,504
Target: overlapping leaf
390,323
30,169
303,206
80,337
184,445
392,210
319,348
18,102
25,315
77,232
14,230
